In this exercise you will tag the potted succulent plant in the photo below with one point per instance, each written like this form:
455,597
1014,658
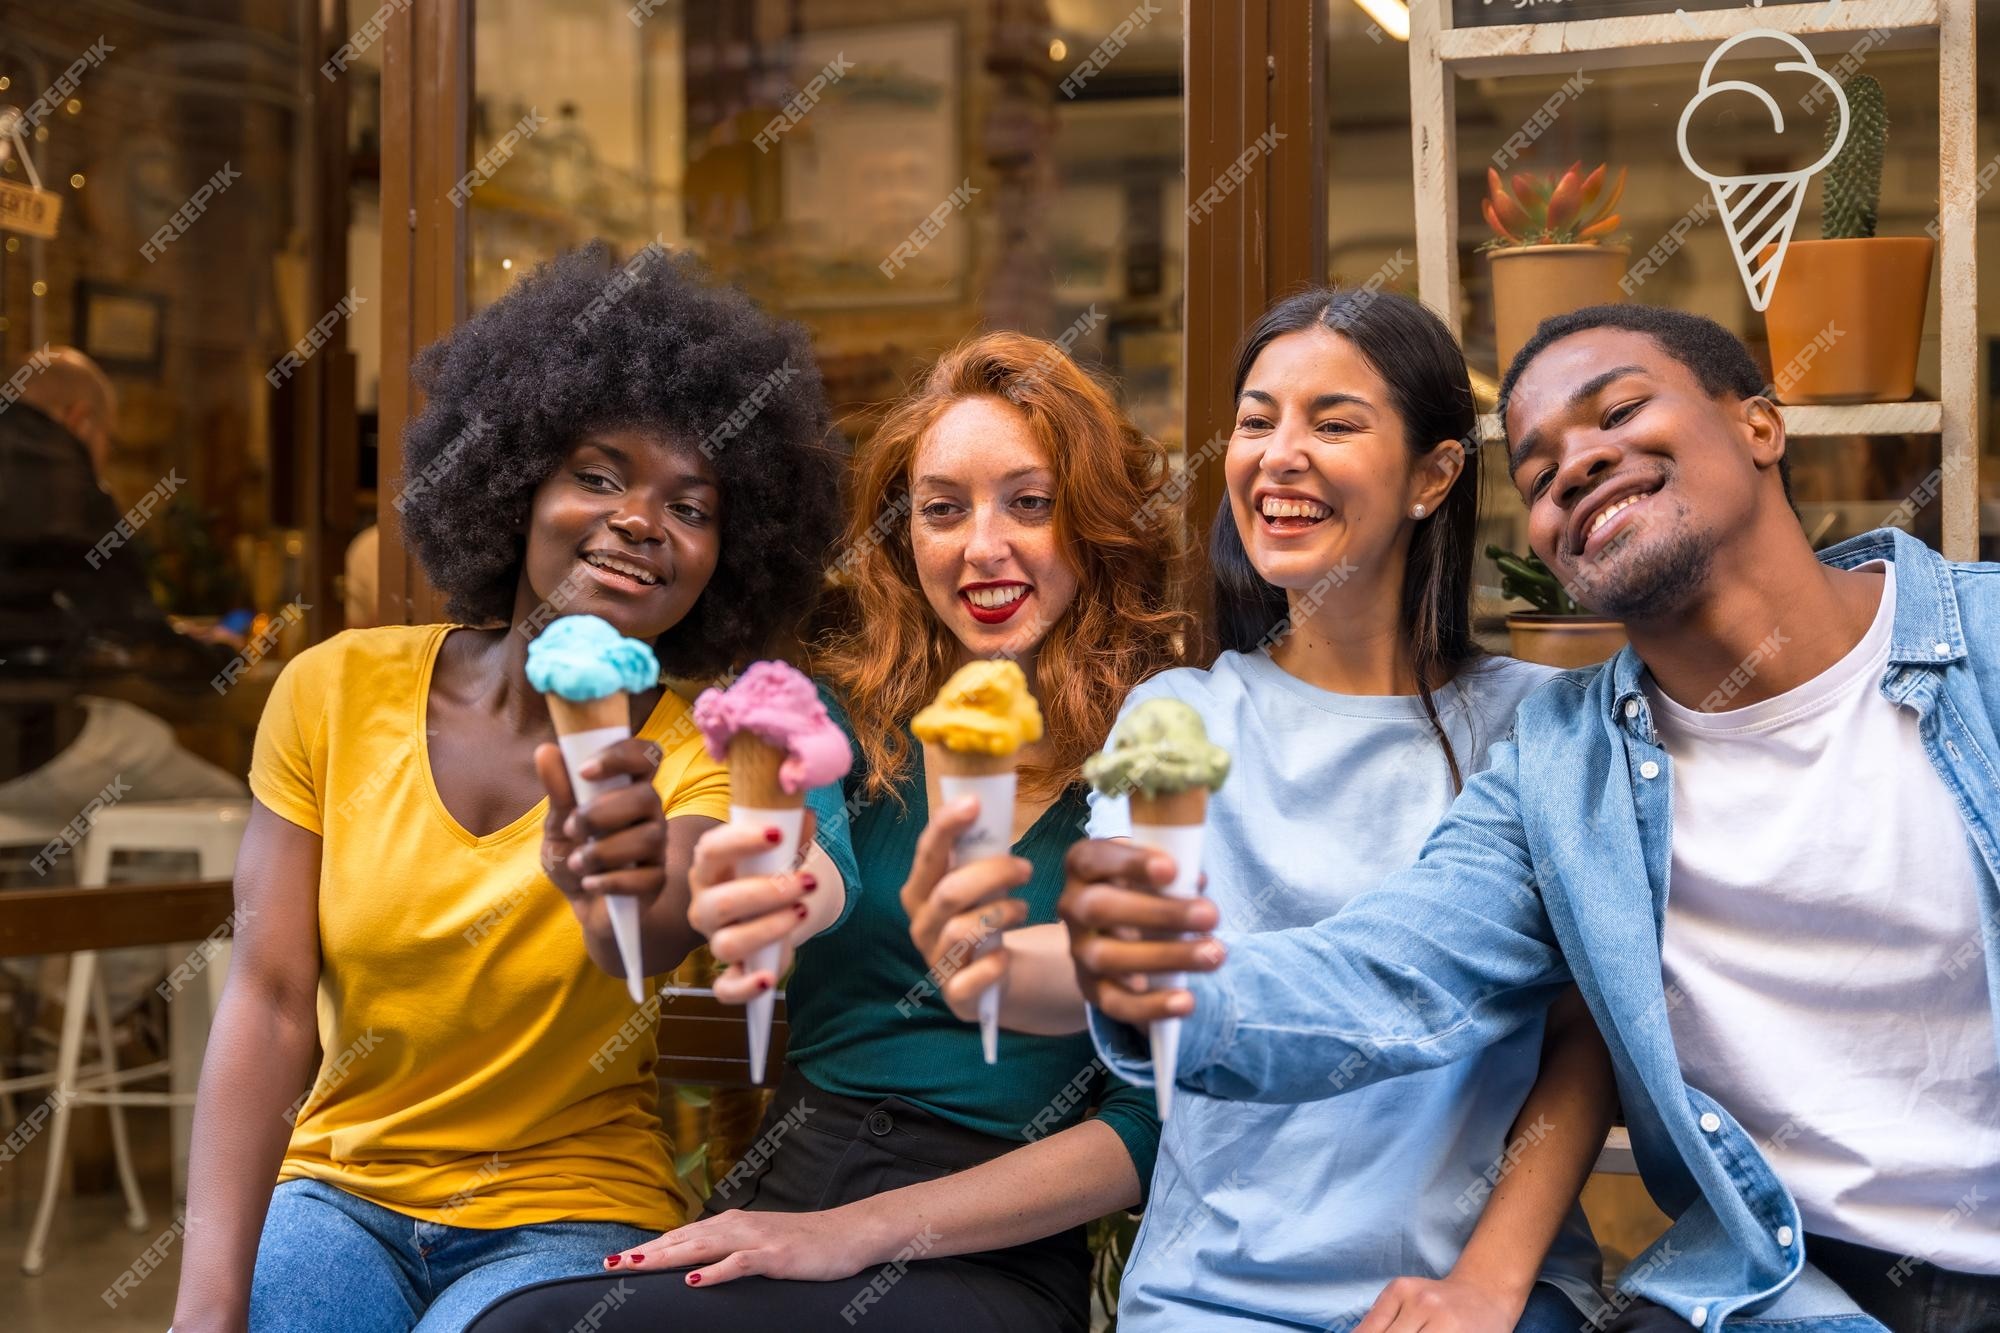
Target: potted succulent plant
1552,249
1847,311
1558,632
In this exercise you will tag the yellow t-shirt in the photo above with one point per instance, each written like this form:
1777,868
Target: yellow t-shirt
477,1069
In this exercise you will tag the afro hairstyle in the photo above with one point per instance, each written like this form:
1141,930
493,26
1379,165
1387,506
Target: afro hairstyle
586,344
1716,358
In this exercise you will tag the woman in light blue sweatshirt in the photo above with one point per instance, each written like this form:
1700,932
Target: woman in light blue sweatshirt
1355,704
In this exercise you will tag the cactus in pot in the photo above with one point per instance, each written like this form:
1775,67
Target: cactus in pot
1852,281
1853,188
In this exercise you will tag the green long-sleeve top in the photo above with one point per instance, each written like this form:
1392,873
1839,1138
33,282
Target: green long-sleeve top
866,1022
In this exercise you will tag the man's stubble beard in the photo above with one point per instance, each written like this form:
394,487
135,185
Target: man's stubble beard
1654,581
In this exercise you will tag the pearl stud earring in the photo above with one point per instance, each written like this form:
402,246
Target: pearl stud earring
1417,512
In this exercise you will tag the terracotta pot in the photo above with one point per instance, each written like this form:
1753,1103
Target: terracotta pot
1533,282
1563,641
1846,319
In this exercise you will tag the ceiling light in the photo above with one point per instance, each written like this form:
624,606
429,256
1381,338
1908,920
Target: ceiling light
1392,16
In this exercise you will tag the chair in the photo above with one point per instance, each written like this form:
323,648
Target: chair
705,1042
212,831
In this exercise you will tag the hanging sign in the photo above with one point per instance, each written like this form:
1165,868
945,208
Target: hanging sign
28,209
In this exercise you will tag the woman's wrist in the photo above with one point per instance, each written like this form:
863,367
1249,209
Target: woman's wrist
874,1237
1504,1282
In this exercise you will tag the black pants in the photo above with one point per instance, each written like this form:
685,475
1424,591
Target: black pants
832,1151
1909,1296
1906,1295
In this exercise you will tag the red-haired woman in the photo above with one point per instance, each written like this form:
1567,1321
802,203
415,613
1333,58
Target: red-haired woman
1007,508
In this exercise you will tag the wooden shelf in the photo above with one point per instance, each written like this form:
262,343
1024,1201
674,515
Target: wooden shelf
1440,55
1803,422
1864,419
1663,39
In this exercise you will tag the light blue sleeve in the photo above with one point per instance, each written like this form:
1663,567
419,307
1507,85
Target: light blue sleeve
1441,960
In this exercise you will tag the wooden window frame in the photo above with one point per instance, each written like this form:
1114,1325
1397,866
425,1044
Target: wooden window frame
426,105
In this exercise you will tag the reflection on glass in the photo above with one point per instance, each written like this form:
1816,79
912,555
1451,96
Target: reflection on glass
894,183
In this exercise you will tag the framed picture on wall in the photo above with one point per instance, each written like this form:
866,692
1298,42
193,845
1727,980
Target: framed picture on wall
121,328
873,172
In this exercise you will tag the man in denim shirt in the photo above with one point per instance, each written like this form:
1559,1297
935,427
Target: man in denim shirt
1805,746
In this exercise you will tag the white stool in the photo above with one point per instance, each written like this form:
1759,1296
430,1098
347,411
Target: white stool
212,830
25,838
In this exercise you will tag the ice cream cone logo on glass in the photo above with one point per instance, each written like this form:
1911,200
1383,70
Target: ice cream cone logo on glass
774,733
1160,757
972,734
1760,209
585,669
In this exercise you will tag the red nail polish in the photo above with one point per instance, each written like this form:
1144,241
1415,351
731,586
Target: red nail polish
612,1259
638,1259
808,881
773,836
800,908
694,1279
763,983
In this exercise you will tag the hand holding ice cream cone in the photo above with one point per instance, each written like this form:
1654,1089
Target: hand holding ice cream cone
1161,759
973,733
957,912
605,833
779,742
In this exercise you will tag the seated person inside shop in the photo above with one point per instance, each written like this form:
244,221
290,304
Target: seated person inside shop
67,618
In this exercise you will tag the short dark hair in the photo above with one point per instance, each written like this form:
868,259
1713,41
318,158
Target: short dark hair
585,344
1716,358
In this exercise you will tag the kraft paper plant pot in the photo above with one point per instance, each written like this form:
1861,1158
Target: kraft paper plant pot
1847,317
1563,641
1533,282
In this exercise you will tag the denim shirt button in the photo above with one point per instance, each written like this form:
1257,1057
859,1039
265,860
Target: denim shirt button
1698,1316
1785,1236
1649,769
1631,708
1941,649
1710,1122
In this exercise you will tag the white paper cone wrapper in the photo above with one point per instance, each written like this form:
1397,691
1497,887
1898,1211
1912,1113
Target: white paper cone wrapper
578,749
991,834
759,1011
1183,843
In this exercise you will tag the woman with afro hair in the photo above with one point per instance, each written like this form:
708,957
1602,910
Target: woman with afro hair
417,893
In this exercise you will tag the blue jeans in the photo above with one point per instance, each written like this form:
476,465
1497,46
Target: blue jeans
1550,1311
332,1263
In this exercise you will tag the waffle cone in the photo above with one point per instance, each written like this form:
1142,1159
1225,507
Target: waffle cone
967,764
1170,808
753,774
574,715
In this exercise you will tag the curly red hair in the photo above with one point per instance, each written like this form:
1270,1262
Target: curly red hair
1116,515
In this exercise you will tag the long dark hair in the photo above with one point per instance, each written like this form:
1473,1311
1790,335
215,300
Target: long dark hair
1413,351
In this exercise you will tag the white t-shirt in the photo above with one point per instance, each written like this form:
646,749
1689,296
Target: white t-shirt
1819,980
